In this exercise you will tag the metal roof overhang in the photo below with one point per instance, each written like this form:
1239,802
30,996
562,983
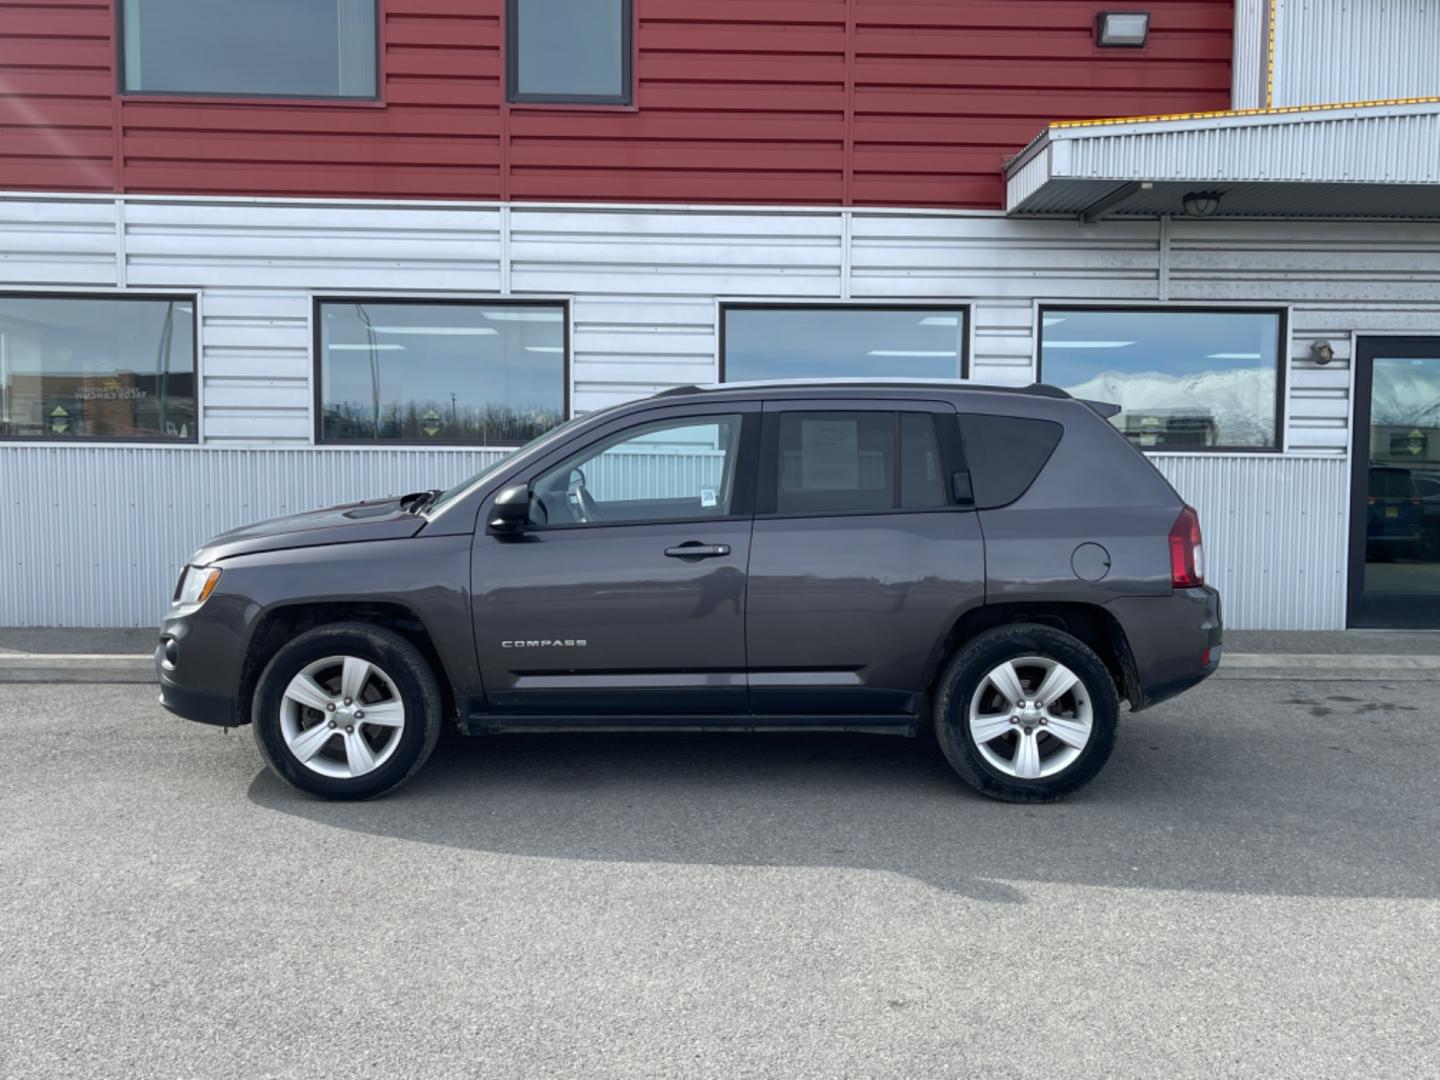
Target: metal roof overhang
1378,160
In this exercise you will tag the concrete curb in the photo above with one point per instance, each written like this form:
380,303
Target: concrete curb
19,667
1330,667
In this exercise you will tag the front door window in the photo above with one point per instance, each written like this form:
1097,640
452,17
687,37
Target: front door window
671,470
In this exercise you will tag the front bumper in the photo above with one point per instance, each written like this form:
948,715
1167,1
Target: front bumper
189,702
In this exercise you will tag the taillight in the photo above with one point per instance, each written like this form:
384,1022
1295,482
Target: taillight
1187,557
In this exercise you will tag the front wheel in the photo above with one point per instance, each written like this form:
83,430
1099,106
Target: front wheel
1026,713
347,711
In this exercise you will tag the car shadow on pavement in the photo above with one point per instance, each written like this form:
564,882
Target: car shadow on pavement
1181,805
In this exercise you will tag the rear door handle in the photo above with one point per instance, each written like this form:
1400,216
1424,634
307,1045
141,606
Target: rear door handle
693,549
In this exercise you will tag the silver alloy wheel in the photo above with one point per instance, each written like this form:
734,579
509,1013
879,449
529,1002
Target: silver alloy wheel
1030,717
342,717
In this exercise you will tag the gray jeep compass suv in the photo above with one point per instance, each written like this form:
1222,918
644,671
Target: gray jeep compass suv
998,564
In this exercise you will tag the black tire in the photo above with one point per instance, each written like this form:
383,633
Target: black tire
962,678
407,669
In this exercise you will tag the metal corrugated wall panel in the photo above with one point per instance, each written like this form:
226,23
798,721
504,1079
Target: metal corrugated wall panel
1340,50
1275,535
1393,145
95,536
1274,526
1251,54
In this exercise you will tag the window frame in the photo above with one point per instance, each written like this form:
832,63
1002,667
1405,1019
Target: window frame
223,96
947,438
317,355
743,479
624,100
937,305
1282,361
193,298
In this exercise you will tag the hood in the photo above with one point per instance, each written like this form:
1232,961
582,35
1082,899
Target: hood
374,519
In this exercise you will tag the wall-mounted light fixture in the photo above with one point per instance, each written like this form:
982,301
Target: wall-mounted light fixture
1122,29
1201,203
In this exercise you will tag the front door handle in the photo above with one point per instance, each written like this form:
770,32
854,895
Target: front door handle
693,549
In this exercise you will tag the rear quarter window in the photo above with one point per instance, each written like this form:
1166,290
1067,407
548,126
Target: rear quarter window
1005,454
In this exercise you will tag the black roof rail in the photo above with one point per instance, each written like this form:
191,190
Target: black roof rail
1035,389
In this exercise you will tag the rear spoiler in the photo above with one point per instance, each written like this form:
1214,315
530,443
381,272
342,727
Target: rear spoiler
1106,409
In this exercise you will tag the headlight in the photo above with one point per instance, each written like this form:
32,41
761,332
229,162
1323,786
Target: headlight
196,584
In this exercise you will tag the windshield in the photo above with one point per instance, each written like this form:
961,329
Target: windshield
489,472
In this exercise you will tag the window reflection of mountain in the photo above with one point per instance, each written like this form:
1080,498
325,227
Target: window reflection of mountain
1240,403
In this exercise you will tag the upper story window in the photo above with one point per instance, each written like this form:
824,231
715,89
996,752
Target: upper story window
1184,378
569,51
828,342
92,367
480,373
258,48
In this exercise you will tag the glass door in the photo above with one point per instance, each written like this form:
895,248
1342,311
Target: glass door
1395,487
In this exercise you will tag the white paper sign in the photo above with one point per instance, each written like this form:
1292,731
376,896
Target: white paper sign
829,455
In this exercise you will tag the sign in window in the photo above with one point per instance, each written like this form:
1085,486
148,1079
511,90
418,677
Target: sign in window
76,367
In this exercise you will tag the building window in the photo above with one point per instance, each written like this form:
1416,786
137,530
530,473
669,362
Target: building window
487,374
569,51
258,48
97,367
1184,378
829,342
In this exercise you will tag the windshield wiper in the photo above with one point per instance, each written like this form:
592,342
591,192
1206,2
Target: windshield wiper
417,501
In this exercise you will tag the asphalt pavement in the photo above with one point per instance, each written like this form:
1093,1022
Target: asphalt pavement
1250,889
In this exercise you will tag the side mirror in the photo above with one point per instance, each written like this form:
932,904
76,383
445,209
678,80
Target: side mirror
510,513
962,489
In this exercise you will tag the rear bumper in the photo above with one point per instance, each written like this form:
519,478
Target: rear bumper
1174,642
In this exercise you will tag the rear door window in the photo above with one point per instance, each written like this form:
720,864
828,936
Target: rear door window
838,462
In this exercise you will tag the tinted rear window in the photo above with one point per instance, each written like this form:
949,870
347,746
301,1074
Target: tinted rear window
1006,454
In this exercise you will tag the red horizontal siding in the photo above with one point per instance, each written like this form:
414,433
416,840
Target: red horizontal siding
893,102
944,93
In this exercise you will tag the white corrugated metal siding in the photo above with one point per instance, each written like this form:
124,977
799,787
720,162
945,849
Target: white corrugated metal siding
1355,50
1249,70
1275,535
644,285
95,536
1394,145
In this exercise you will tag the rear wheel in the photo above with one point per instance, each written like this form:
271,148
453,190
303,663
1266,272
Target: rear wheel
1026,713
348,711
